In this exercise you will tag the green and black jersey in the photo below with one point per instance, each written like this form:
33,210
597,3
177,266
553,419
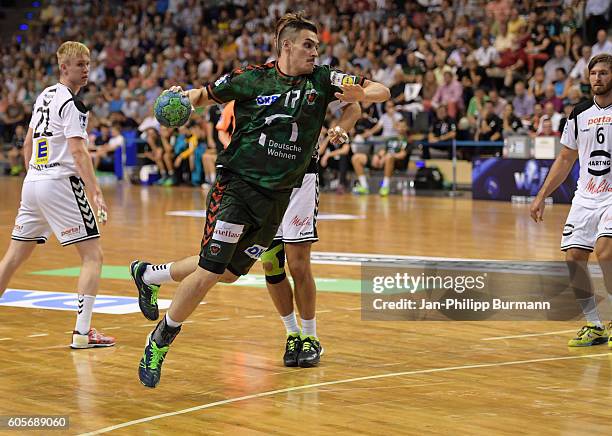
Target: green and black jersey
395,145
278,120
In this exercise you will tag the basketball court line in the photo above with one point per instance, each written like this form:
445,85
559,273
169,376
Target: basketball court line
330,383
496,338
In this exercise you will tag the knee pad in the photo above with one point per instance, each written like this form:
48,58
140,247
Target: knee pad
274,262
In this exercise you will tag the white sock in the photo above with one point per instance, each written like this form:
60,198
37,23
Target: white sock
213,176
386,181
170,323
157,274
309,327
589,308
363,181
85,307
291,324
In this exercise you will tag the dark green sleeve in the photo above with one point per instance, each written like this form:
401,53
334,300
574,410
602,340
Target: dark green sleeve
237,85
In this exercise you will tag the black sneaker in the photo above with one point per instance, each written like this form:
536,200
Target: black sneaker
147,294
292,350
311,352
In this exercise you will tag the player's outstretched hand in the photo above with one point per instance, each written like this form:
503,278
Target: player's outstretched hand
176,88
101,207
536,209
337,135
350,93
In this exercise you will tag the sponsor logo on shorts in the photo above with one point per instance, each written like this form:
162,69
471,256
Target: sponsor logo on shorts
266,100
599,163
568,229
215,249
300,222
71,231
255,251
227,232
305,233
17,228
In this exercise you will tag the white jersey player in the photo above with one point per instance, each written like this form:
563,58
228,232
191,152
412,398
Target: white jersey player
587,136
53,196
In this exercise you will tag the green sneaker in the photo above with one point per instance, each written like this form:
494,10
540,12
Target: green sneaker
360,190
384,191
292,350
149,370
168,182
147,294
589,335
311,352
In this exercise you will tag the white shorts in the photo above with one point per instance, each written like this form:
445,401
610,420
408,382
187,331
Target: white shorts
59,206
300,219
585,226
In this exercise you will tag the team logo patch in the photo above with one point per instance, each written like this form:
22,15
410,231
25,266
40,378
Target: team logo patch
599,163
255,251
83,121
215,249
227,232
311,96
266,100
568,229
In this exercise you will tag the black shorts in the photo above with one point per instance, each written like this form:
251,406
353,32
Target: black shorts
241,221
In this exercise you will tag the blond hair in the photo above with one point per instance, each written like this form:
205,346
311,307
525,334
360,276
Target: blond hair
70,50
289,25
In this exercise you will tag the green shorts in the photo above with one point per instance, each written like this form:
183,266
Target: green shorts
241,221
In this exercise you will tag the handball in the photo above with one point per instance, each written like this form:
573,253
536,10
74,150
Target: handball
172,109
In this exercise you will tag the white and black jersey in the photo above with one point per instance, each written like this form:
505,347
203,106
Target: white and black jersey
589,130
57,115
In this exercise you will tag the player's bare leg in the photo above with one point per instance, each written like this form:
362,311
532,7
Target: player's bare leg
148,278
389,166
594,331
359,161
83,335
17,253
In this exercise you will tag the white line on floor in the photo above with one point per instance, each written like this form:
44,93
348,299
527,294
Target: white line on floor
496,338
334,382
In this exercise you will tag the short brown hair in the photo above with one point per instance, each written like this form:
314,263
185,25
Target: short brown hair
601,58
289,24
69,50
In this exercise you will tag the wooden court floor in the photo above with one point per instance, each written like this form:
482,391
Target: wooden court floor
224,374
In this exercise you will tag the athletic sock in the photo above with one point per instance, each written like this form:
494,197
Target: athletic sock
363,181
84,310
309,327
291,324
157,274
589,308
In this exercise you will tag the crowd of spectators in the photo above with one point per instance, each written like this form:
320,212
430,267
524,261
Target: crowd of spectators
468,69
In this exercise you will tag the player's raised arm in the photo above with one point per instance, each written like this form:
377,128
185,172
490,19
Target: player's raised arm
372,92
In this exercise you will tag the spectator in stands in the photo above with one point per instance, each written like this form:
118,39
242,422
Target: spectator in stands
511,124
597,14
486,55
499,103
559,60
450,94
490,126
547,128
476,107
537,84
580,70
551,114
551,97
387,125
13,117
560,83
603,44
15,153
104,159
443,129
523,101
